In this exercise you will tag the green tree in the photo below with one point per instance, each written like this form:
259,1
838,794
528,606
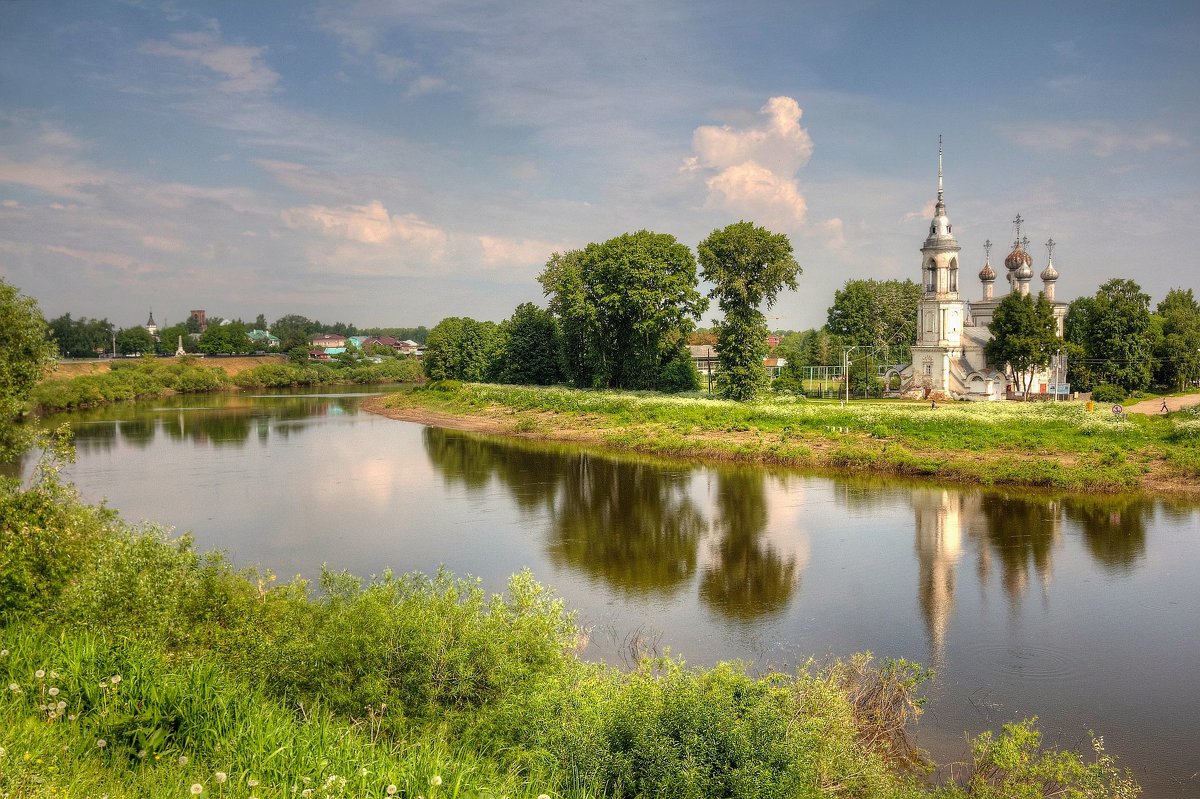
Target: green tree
1077,329
1177,357
748,266
25,352
82,337
1119,335
460,348
225,338
562,283
1024,337
625,306
530,347
134,341
294,331
876,313
169,340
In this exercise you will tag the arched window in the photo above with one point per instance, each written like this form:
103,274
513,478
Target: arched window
931,276
954,275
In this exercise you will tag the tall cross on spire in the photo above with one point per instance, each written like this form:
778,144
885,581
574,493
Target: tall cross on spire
987,251
1025,244
1017,222
1050,250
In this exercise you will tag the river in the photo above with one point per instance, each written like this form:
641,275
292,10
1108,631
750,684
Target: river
1082,610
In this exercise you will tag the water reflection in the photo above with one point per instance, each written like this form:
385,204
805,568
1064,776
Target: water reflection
750,577
1114,528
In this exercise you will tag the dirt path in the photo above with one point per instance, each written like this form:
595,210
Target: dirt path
1154,406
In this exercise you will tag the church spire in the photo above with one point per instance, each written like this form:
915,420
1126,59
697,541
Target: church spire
941,232
941,198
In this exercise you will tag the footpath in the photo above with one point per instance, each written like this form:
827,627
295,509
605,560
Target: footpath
1153,406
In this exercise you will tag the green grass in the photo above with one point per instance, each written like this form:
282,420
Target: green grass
1060,445
133,666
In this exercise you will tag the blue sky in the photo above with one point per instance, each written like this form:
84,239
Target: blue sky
393,163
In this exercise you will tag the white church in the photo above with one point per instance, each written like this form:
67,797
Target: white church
948,360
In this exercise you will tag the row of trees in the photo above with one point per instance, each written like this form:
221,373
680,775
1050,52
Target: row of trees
620,313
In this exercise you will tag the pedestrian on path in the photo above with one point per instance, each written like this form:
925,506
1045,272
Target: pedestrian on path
1164,406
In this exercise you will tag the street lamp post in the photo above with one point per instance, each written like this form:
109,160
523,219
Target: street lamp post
846,367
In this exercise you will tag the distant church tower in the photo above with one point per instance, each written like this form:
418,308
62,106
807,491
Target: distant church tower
940,311
151,327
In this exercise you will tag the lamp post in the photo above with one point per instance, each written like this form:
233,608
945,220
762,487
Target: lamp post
846,367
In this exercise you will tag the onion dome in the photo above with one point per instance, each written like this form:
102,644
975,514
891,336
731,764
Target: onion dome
987,274
1050,274
1019,258
1025,271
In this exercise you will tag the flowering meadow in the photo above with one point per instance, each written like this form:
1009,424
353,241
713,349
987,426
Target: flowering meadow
133,666
1055,445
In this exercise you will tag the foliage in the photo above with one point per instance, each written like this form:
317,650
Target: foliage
227,337
135,340
82,337
461,348
875,313
680,374
1107,392
1177,356
169,339
530,349
1024,337
1114,329
624,307
748,266
294,331
127,381
418,334
25,353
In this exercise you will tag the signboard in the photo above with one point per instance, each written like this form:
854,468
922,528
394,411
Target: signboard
1061,389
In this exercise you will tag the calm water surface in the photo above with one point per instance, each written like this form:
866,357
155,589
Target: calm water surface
1082,610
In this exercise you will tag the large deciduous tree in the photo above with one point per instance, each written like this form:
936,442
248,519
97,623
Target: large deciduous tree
1024,337
876,313
1115,331
1177,358
625,308
460,348
226,338
25,353
748,267
134,341
82,337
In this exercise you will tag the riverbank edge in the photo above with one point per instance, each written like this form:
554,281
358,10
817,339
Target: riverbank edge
818,455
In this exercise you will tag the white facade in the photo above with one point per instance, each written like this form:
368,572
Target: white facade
948,358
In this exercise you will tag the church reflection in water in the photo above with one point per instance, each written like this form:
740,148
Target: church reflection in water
1012,538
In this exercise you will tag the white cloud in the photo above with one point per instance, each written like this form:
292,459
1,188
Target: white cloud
753,170
367,224
1101,139
426,84
755,191
241,67
118,260
780,144
501,251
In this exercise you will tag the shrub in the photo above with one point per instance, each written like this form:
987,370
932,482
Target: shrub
1107,392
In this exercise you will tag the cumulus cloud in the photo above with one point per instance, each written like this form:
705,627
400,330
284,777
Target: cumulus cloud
752,171
367,224
501,251
1101,139
241,67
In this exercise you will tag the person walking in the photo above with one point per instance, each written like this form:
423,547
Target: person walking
1165,410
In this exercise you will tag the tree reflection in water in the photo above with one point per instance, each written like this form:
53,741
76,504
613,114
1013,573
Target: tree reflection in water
749,578
1114,528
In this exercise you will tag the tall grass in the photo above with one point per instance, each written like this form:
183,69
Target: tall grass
131,665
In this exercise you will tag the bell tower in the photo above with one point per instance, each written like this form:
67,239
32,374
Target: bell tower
940,311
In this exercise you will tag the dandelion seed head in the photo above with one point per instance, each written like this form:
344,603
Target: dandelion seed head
101,743
53,691
61,705
307,792
40,673
391,790
197,789
183,760
53,675
435,780
220,776
3,653
116,678
251,783
142,754
16,689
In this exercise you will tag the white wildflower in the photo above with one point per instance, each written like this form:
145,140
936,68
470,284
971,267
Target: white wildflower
197,789
220,776
101,743
435,780
391,790
183,761
40,673
53,691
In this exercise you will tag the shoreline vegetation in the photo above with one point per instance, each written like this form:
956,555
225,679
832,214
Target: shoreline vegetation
1059,446
154,377
133,666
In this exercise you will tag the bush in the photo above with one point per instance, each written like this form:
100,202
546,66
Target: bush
1107,392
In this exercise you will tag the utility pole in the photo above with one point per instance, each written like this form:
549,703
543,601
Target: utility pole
846,367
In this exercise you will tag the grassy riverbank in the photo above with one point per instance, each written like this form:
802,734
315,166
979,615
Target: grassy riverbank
1060,446
136,667
153,377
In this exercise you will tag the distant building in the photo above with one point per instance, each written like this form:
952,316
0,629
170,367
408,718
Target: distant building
199,318
151,327
327,340
263,340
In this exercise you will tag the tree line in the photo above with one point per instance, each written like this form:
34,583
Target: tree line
620,313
